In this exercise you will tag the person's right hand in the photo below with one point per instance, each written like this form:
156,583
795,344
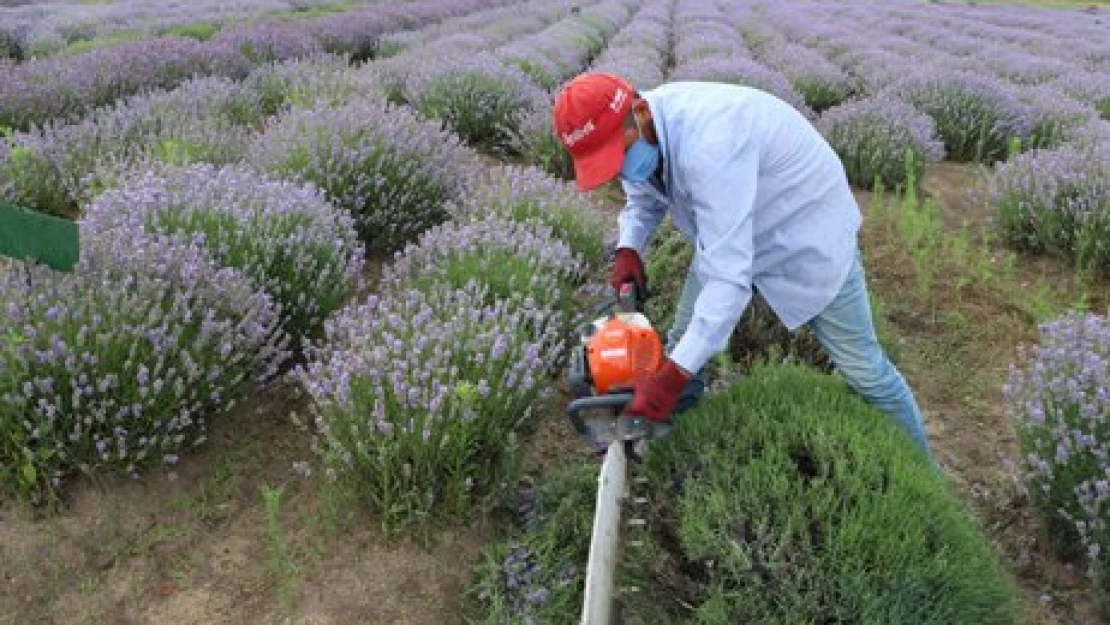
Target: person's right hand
627,267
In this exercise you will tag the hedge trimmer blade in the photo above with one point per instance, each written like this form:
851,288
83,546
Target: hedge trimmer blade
615,350
615,484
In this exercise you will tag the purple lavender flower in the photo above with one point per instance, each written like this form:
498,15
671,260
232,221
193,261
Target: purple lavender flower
1059,398
976,116
1057,201
874,137
434,347
287,238
127,400
391,170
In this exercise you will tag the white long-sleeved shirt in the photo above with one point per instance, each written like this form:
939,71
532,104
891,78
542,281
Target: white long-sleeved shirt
762,197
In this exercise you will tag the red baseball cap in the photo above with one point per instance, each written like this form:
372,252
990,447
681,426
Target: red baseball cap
589,113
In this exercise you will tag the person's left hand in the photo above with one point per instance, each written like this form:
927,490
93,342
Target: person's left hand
655,396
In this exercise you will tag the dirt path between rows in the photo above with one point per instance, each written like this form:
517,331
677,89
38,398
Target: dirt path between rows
956,358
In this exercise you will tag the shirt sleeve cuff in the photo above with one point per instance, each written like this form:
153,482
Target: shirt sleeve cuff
635,239
692,352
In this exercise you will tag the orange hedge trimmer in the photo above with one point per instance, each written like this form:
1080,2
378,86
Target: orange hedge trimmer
615,350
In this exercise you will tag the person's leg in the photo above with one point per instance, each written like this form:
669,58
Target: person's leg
846,331
684,311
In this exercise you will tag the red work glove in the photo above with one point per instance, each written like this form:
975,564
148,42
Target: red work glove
627,267
655,396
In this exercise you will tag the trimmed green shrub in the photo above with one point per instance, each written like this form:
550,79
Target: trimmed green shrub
787,499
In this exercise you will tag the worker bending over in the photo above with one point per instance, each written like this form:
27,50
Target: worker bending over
766,204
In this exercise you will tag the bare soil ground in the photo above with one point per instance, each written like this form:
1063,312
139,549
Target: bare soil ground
201,549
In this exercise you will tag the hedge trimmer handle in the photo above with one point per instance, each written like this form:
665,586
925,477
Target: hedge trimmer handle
631,297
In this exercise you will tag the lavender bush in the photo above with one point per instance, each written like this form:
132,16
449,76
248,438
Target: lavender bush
1057,201
822,83
510,258
393,171
287,239
1055,118
325,80
527,194
121,363
418,396
536,143
269,40
1059,398
976,116
480,98
882,140
58,167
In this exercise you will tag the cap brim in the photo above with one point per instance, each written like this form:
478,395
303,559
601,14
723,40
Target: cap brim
600,166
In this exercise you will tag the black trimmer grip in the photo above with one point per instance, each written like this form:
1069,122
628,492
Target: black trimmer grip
611,401
632,297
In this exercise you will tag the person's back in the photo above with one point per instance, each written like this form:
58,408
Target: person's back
717,142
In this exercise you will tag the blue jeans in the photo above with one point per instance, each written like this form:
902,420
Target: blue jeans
846,331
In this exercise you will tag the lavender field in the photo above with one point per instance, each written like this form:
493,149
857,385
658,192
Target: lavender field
308,367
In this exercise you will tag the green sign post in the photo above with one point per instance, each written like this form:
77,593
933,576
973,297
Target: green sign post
26,234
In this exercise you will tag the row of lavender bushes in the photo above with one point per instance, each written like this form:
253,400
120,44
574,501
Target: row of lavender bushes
1034,115
422,392
65,88
254,258
639,52
196,285
40,29
214,119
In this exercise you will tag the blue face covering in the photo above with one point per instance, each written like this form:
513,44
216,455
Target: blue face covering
641,160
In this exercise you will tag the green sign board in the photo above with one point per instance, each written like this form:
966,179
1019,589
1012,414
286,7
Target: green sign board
26,234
